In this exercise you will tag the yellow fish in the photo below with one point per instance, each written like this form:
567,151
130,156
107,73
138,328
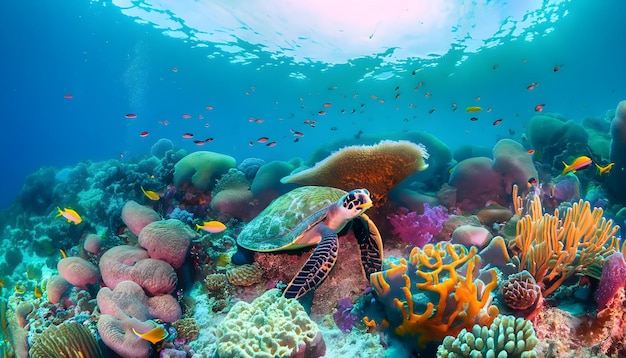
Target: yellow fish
63,254
20,289
473,109
71,216
605,169
222,260
152,195
211,226
154,336
1,282
37,292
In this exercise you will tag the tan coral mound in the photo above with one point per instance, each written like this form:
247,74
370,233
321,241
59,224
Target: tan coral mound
378,168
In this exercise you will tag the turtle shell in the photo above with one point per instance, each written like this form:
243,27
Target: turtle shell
282,223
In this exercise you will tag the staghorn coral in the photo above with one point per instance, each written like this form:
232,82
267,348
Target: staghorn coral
552,249
427,297
70,340
270,326
507,336
245,275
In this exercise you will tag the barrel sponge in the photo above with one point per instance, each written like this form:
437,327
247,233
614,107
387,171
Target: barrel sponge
513,163
167,240
270,326
545,130
507,336
617,176
202,168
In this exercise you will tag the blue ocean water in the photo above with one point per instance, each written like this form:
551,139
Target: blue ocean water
113,64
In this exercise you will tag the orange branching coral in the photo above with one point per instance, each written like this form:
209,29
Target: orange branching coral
553,249
444,274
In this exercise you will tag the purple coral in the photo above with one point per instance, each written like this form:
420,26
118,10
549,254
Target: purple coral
418,229
344,318
612,279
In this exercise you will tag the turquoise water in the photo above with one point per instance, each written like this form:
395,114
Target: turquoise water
89,88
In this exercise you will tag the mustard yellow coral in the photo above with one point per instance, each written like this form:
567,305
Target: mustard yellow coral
444,274
552,249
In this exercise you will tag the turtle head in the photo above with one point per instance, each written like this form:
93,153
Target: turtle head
356,202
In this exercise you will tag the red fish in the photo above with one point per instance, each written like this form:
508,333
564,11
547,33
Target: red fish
296,133
209,140
321,113
131,116
186,116
209,108
262,139
532,86
144,134
497,121
539,107
187,135
271,144
531,151
68,96
199,142
327,104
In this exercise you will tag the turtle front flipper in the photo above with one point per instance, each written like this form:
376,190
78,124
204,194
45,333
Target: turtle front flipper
370,244
317,267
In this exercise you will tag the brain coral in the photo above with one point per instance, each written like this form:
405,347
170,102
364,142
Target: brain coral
202,169
270,326
167,240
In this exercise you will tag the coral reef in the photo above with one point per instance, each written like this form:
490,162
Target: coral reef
507,336
66,340
270,326
418,229
388,162
202,168
448,301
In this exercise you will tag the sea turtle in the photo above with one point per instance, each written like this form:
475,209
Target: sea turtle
315,215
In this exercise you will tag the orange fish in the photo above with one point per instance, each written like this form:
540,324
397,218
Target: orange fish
539,107
131,116
144,134
213,227
532,86
579,163
71,215
605,169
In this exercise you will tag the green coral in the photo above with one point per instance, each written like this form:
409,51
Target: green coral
507,336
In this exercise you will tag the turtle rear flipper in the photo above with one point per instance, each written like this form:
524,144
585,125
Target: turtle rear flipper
370,244
317,267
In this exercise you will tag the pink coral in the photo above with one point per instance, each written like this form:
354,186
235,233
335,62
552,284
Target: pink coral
92,243
136,216
78,271
56,288
118,335
613,278
416,229
167,240
129,263
476,183
128,299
